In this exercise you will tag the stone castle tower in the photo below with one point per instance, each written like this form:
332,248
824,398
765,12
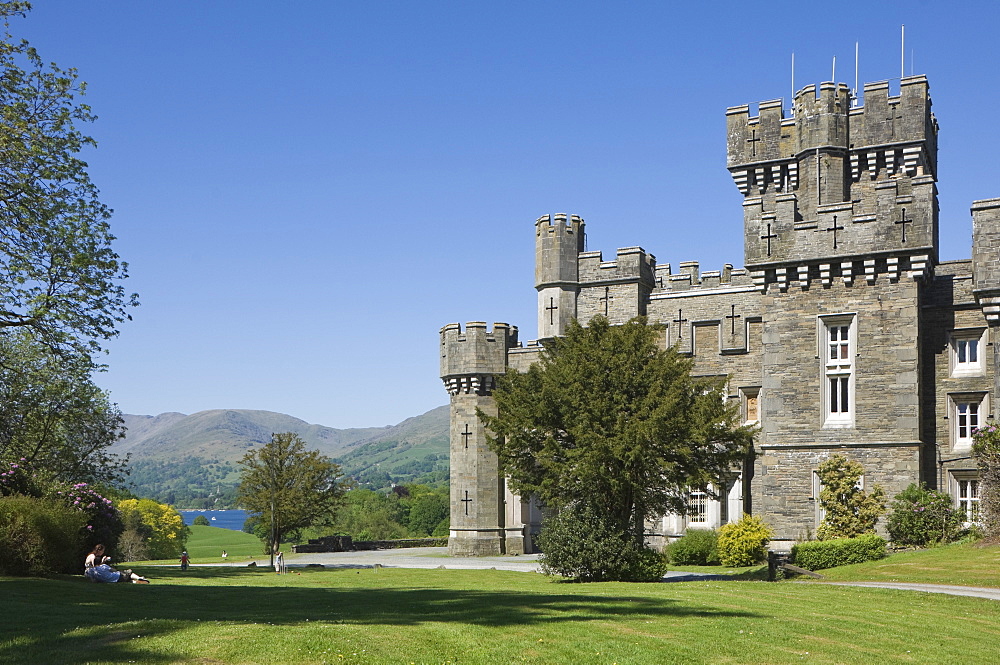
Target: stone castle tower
844,334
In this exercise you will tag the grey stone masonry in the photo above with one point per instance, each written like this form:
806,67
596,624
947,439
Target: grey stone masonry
843,334
834,182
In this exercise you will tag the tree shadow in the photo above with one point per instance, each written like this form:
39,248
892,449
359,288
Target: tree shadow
44,615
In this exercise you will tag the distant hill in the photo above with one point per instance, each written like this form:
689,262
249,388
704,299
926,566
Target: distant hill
191,460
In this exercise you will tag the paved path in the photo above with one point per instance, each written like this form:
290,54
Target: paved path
429,557
437,557
974,591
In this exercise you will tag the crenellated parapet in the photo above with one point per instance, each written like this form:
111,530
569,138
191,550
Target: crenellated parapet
986,257
559,240
471,360
832,182
691,277
631,264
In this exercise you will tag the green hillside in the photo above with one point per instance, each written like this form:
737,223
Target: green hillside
191,461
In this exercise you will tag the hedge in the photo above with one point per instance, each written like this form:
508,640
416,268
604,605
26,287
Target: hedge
819,554
39,536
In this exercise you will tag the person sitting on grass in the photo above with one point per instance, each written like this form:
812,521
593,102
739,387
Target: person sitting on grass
98,569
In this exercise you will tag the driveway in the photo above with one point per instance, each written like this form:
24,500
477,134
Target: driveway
430,557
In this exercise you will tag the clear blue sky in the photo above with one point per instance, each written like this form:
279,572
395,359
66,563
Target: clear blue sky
306,192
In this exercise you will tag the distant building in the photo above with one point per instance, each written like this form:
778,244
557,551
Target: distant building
844,333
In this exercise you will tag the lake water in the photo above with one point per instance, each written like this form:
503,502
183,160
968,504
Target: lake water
224,519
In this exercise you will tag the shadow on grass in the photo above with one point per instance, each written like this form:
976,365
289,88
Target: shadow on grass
69,620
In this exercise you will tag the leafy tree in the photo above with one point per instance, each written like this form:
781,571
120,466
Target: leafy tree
427,512
201,520
161,525
370,515
289,487
53,416
850,510
59,276
608,420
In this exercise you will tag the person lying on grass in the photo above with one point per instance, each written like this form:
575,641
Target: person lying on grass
97,569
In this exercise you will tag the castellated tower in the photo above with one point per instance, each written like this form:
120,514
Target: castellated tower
558,243
470,363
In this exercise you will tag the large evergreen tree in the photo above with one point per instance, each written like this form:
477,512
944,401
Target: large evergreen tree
609,420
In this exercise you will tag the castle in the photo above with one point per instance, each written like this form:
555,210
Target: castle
843,334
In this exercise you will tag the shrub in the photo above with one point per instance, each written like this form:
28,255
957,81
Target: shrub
39,536
744,543
850,511
698,547
201,520
921,516
820,554
986,449
580,544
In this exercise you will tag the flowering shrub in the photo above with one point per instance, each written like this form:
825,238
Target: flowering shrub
986,449
103,522
921,516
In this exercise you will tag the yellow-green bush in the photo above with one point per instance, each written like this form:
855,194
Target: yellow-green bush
39,536
744,543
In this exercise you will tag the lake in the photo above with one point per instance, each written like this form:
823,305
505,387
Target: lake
224,519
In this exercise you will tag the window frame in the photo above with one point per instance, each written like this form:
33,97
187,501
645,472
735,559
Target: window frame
839,374
958,340
969,420
973,509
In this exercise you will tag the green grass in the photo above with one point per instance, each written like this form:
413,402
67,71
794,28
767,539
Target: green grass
963,564
240,615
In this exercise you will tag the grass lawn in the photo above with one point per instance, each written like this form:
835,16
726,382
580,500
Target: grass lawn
240,615
964,564
205,545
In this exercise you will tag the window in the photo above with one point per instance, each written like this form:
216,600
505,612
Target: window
837,352
698,507
967,353
751,405
966,414
967,496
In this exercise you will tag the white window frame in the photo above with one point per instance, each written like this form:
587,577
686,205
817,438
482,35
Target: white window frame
967,411
697,515
966,352
839,373
962,482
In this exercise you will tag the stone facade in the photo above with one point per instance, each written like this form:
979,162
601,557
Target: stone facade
844,334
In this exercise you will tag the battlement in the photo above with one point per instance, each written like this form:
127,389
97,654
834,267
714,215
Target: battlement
822,118
630,264
691,277
478,350
559,224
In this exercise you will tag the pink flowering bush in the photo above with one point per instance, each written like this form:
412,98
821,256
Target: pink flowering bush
921,517
102,521
986,449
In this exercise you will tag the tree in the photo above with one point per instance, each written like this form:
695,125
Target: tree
849,510
59,276
201,520
53,416
608,420
289,487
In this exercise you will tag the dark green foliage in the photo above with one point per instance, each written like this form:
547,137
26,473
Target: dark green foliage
849,510
920,516
585,546
40,536
744,543
698,547
201,520
819,554
427,511
607,418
